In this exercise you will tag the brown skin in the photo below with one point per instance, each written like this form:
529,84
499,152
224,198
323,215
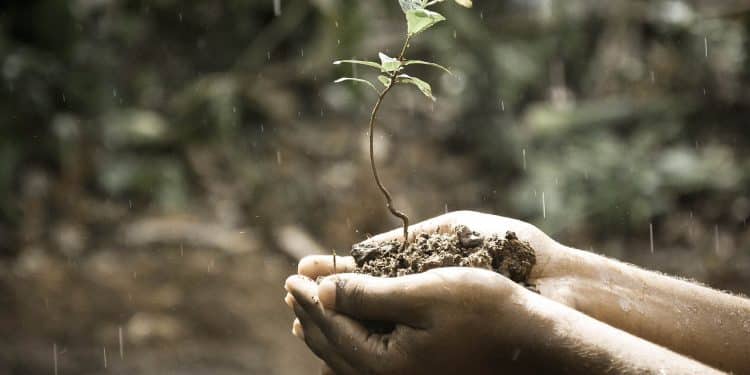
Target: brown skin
480,322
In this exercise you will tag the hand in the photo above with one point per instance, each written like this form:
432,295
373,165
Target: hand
555,263
445,321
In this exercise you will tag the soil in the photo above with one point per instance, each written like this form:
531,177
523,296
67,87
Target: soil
506,255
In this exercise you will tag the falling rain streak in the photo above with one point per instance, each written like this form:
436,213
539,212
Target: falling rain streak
104,350
544,207
54,357
524,159
119,335
651,235
705,45
277,7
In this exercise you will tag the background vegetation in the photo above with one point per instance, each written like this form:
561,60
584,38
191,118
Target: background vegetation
162,162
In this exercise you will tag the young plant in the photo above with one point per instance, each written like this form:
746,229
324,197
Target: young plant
418,19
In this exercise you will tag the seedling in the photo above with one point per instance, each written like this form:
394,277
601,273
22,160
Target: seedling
418,19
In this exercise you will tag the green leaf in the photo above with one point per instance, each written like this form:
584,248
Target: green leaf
384,80
360,80
420,62
388,64
423,86
407,5
419,20
360,62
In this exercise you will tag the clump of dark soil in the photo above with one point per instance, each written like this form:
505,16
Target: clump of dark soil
463,247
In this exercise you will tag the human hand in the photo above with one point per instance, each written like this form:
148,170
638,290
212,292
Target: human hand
555,263
447,320
553,260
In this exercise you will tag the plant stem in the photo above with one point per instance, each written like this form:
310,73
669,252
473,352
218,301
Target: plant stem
373,116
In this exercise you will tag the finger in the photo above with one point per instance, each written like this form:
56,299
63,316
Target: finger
289,299
334,337
400,300
319,343
322,265
297,329
325,370
347,336
438,224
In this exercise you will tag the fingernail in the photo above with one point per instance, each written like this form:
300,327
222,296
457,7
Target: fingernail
297,330
289,300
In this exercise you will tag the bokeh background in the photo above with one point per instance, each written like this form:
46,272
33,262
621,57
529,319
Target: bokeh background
163,163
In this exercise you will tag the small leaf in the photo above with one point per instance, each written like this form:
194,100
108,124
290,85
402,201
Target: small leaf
384,80
421,19
407,5
360,62
420,62
360,80
423,86
388,64
464,3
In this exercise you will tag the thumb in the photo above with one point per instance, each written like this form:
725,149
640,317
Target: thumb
362,297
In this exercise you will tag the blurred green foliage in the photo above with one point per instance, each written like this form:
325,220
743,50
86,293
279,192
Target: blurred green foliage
623,113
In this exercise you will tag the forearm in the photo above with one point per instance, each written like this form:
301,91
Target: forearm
574,343
693,320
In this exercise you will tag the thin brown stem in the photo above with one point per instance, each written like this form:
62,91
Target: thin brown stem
373,116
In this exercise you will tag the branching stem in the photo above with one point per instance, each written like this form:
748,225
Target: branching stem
373,116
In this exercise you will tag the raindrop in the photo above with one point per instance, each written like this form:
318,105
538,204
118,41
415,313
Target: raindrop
54,357
277,7
234,109
180,15
454,34
119,336
705,45
65,100
278,157
114,92
130,204
268,55
544,207
516,353
262,129
653,77
651,235
502,105
105,356
446,208
524,159
337,24
302,52
481,15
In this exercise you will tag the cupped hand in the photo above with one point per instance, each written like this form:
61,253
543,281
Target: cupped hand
552,259
555,264
443,321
